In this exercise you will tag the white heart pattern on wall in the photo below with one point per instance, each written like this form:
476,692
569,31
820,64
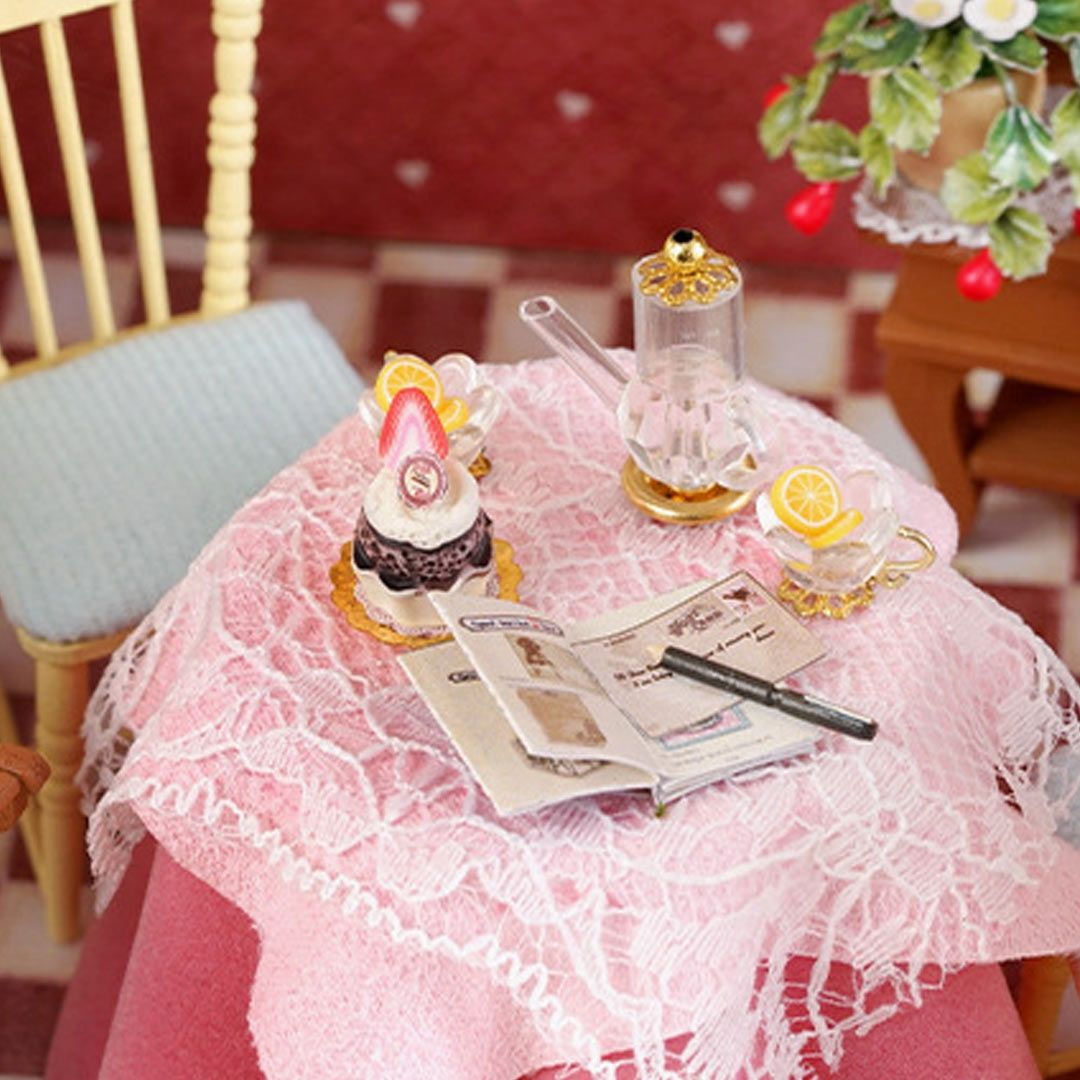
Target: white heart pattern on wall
404,12
413,173
732,35
736,195
573,104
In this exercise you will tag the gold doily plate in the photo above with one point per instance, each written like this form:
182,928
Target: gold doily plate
343,578
680,508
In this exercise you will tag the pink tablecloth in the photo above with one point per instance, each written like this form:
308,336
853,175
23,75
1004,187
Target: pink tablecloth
281,757
164,983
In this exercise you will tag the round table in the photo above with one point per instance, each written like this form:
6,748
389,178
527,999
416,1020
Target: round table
280,757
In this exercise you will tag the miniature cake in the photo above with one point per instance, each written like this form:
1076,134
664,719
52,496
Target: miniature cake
421,528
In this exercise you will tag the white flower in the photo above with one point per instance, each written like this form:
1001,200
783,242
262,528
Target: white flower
1000,20
928,12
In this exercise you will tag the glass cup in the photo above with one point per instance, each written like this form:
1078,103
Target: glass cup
860,557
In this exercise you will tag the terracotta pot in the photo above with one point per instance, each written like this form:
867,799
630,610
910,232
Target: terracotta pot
966,116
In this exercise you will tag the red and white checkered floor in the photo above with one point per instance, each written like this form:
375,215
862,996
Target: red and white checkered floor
809,332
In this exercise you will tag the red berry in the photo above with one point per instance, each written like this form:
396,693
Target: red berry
979,278
411,425
1076,221
776,91
810,209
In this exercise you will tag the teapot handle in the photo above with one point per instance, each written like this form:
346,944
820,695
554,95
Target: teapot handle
604,375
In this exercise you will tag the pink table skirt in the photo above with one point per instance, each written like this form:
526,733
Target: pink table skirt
164,984
283,758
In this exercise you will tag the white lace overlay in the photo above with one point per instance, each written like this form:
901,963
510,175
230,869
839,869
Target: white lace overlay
283,757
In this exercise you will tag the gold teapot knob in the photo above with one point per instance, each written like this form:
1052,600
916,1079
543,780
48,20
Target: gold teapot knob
685,248
687,270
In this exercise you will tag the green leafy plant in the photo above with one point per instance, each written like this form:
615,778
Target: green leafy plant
914,52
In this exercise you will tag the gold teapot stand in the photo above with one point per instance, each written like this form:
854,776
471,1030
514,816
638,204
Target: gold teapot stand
674,507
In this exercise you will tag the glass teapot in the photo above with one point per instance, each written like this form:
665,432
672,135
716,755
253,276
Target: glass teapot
684,412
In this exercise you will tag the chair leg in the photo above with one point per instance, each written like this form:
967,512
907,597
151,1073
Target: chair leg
932,406
1043,980
8,732
62,692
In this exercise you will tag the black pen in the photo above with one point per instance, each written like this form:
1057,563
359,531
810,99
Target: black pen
744,685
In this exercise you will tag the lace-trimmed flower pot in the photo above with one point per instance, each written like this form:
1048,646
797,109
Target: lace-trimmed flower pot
966,116
956,90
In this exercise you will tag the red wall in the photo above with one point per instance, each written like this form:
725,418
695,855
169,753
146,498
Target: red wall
540,123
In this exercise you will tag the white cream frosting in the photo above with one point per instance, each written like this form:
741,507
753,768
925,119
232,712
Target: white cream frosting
425,527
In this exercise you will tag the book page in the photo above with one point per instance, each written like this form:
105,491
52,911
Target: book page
514,780
734,621
552,700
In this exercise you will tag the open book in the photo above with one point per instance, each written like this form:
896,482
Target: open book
544,712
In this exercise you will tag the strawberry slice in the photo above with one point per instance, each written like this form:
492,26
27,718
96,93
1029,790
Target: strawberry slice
411,425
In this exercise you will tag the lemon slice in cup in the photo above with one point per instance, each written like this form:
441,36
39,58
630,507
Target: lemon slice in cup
844,523
453,413
806,499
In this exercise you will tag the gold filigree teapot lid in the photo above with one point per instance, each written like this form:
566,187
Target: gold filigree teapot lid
686,270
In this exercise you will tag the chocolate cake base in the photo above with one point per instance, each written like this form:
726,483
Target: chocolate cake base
404,567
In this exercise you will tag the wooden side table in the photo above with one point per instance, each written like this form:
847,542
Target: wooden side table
1030,332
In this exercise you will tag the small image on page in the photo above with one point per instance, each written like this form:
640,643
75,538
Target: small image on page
722,723
545,661
734,621
742,737
513,779
564,718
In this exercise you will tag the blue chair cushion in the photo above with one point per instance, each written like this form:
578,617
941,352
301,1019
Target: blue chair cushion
116,468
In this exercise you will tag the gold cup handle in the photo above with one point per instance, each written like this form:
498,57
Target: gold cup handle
895,572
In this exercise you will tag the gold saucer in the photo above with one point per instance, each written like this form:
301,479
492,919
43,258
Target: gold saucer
676,507
892,575
343,578
807,603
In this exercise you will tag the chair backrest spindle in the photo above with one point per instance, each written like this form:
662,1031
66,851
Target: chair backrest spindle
231,153
77,176
140,168
23,230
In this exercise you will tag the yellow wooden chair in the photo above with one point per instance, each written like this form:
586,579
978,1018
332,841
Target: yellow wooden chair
118,467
